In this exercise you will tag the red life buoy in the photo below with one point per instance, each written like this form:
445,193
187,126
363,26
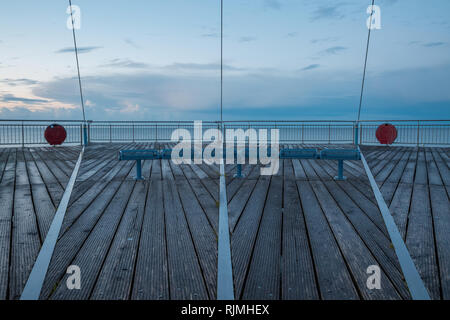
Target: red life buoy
386,133
55,134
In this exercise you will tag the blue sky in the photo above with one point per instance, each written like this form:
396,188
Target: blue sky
284,59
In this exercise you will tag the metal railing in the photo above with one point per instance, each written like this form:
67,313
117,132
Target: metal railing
31,132
417,132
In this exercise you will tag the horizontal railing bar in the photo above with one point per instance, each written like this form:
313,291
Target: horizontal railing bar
226,121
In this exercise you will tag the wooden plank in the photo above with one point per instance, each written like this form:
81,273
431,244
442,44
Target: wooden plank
205,199
434,176
151,279
203,235
55,189
25,241
207,183
440,206
442,167
382,176
421,176
375,240
6,213
60,175
359,182
82,187
72,239
3,161
53,161
400,205
355,252
297,267
390,184
185,275
420,236
244,234
43,205
263,279
238,203
91,256
334,280
385,159
235,185
361,194
100,189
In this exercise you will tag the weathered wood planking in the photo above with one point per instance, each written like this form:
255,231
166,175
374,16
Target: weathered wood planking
79,226
244,233
185,275
151,279
203,234
287,229
263,280
298,279
6,215
334,280
25,241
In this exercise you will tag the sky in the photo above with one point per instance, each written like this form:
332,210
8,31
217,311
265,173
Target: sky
283,59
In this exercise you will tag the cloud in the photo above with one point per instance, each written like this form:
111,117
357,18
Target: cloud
12,98
272,4
292,34
434,44
333,50
247,39
17,82
80,49
328,12
310,67
131,43
201,67
153,95
320,40
125,63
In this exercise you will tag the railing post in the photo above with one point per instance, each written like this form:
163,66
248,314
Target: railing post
156,130
418,133
329,133
110,133
356,134
303,133
132,125
81,134
85,134
23,135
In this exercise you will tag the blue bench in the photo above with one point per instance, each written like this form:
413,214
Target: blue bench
299,154
139,155
339,155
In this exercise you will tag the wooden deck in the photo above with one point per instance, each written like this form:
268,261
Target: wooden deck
296,235
415,184
32,182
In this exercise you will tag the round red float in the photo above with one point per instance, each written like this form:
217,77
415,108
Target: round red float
55,134
386,133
